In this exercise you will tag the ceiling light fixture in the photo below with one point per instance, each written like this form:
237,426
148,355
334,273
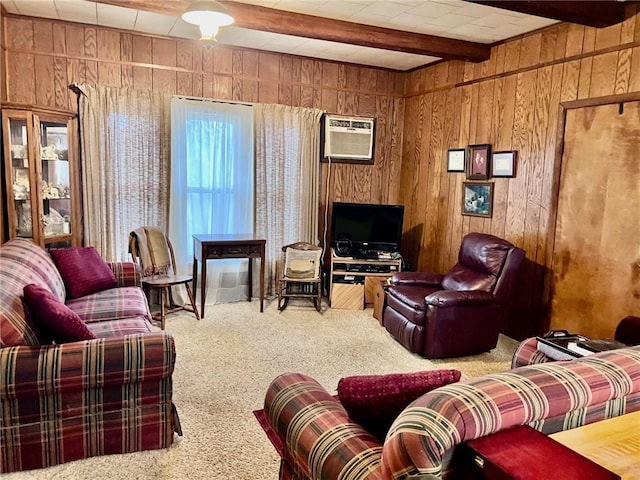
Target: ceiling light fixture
209,15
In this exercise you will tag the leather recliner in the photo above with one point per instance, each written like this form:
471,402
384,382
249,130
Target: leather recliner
461,312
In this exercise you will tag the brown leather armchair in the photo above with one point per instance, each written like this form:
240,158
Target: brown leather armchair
459,313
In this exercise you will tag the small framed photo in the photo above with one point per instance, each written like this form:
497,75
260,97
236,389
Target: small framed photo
478,164
456,159
503,164
477,199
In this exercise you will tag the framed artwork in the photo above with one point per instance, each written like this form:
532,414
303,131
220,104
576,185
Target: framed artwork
503,164
477,199
456,159
478,164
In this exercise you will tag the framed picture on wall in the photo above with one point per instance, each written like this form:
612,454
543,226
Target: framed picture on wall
477,199
478,162
503,164
456,159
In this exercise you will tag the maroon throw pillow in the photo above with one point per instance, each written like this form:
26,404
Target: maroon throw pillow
55,320
374,401
83,271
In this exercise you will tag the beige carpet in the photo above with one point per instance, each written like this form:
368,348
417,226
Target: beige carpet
224,364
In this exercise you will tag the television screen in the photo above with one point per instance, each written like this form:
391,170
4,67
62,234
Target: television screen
365,227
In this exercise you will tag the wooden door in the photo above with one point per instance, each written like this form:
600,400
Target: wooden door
596,264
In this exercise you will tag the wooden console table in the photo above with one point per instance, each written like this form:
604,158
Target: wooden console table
220,246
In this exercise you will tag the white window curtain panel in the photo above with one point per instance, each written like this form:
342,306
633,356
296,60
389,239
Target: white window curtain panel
287,179
124,143
212,187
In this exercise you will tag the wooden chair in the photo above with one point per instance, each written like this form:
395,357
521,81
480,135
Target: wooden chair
302,274
152,250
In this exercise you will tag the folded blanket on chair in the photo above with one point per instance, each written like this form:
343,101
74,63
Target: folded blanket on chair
152,251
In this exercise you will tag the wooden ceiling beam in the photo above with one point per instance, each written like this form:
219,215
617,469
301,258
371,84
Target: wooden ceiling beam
255,17
597,14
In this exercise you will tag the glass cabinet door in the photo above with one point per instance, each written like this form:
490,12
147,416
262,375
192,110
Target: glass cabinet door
19,166
41,177
55,180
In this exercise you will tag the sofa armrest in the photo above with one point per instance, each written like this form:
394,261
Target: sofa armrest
128,274
90,364
319,440
81,399
527,353
453,298
549,397
417,279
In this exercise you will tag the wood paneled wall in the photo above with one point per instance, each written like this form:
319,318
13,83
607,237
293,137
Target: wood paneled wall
513,102
44,57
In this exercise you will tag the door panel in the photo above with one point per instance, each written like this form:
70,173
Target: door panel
596,265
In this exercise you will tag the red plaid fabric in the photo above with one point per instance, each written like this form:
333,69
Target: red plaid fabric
65,402
127,274
320,441
549,397
527,353
113,304
71,401
22,262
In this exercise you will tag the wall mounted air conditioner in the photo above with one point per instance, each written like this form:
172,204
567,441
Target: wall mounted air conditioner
348,139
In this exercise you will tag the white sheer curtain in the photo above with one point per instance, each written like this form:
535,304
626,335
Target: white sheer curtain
287,179
212,186
124,142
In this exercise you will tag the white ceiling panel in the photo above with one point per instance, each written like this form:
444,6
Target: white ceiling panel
455,19
149,22
77,11
117,17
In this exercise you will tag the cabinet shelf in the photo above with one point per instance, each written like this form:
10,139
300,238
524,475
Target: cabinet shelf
352,282
30,135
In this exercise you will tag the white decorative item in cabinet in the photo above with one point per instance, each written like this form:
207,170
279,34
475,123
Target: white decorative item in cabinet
41,176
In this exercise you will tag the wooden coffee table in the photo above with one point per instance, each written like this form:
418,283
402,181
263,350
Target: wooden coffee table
612,443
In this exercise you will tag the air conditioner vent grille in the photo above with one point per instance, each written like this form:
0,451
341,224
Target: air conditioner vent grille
349,137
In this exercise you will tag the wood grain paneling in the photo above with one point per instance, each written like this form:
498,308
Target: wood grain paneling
513,102
596,279
510,100
43,57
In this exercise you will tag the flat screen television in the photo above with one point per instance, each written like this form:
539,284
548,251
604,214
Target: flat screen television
360,229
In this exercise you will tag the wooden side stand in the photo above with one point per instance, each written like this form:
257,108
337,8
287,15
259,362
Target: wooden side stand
354,283
380,300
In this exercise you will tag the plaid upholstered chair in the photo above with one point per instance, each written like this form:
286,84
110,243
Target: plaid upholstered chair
301,276
152,250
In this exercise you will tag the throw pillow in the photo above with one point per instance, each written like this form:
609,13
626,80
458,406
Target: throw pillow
374,401
57,322
83,271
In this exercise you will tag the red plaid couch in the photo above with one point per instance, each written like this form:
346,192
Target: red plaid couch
320,442
65,402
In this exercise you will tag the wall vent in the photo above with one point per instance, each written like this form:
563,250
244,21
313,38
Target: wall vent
349,138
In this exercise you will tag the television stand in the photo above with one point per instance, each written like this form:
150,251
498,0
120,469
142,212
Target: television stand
365,255
353,281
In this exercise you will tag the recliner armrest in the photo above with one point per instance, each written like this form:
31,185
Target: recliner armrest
452,298
417,279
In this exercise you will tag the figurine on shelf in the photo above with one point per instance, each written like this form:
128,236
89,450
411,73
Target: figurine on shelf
20,192
49,153
49,192
19,151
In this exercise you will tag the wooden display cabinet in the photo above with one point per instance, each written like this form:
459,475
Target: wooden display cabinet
353,282
41,176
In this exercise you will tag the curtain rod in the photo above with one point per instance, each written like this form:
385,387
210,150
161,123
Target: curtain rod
214,100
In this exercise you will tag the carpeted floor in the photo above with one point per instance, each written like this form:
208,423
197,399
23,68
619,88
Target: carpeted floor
224,364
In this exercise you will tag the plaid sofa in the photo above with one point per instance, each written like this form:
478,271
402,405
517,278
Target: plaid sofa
320,442
65,402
